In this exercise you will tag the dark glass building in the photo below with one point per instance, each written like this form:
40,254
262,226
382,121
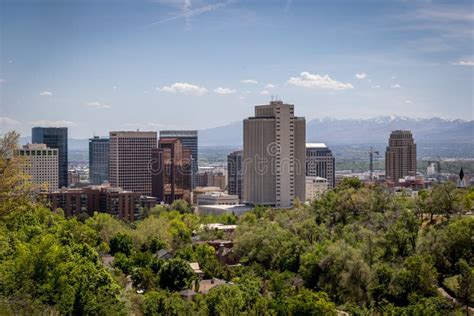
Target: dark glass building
98,160
54,137
189,139
234,173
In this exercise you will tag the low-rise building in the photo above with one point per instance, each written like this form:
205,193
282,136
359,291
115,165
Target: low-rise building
237,209
122,204
203,190
217,198
315,187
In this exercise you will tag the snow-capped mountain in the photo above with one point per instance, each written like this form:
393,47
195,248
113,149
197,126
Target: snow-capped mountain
359,131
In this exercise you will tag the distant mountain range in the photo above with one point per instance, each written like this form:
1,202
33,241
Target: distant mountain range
358,131
342,131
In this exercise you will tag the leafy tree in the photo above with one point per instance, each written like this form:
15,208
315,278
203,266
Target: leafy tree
401,237
448,244
416,277
16,190
206,257
176,274
181,206
270,245
225,300
121,243
307,302
163,303
465,291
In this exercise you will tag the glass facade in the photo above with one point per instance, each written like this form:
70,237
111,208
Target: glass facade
189,139
98,160
54,137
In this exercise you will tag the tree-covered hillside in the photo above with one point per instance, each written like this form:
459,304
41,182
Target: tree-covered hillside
361,250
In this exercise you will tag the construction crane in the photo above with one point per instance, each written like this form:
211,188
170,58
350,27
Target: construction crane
371,161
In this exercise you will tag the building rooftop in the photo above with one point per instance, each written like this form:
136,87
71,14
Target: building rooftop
36,146
316,145
217,194
219,226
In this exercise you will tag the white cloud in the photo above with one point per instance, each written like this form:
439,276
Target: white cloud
466,62
264,92
184,88
48,123
7,121
224,91
8,124
46,93
251,81
445,14
187,12
408,102
309,80
375,86
269,86
97,105
395,86
361,75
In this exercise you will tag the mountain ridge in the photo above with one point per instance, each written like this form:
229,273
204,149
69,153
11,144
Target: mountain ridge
342,131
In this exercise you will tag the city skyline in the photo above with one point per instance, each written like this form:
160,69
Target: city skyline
105,65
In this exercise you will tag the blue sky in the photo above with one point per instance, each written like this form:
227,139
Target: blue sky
97,66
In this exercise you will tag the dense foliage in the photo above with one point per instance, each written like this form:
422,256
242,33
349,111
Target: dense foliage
357,249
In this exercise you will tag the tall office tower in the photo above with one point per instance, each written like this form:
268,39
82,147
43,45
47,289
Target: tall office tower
130,160
400,156
189,139
234,173
321,163
41,163
54,137
274,156
171,171
98,160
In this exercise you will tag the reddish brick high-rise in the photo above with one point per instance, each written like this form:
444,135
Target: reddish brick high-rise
171,171
400,156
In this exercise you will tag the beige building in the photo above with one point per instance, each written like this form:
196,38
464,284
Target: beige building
273,162
41,163
315,187
400,156
217,198
130,160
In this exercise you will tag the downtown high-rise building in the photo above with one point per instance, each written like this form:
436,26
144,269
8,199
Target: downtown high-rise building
189,139
98,160
54,137
171,171
234,173
130,160
274,156
320,162
41,164
400,156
